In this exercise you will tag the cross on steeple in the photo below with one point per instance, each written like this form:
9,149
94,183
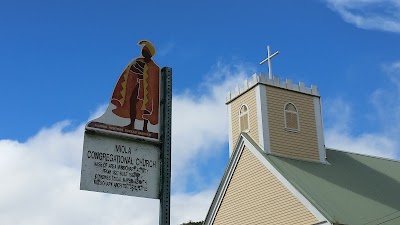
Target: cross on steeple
269,61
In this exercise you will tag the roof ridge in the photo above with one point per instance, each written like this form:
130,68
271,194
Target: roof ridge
366,155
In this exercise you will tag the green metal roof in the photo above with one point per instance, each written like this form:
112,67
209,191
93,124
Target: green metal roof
352,189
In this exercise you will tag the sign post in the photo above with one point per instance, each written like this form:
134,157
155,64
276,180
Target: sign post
127,150
165,197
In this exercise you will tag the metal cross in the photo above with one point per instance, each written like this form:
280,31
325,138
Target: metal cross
269,61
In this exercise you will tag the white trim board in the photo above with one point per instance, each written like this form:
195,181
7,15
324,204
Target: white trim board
230,130
262,118
223,186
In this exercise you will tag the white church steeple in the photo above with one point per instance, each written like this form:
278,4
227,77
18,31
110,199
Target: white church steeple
283,118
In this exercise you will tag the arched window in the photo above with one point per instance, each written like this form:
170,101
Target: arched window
291,117
244,118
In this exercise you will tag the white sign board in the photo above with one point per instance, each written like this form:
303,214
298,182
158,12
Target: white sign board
120,166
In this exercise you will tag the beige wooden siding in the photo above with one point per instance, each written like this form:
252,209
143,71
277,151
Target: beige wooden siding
255,196
249,99
301,144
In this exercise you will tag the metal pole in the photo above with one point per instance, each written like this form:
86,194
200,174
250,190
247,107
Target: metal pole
165,194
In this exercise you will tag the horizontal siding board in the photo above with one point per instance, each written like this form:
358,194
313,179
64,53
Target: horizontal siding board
255,196
301,144
248,98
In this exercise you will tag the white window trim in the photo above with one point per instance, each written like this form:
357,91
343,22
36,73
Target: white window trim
297,114
248,118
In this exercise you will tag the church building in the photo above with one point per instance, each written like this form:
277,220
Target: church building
281,172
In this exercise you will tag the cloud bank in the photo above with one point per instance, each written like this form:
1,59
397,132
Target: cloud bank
385,115
41,176
369,14
200,128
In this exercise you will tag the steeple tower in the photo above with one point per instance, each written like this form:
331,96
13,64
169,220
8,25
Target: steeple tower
283,118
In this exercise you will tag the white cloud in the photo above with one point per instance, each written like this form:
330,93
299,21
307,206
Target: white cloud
384,141
366,143
340,112
393,71
191,206
386,99
41,176
200,122
369,14
166,49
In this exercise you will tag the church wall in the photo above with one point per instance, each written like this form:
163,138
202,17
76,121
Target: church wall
256,196
301,144
248,98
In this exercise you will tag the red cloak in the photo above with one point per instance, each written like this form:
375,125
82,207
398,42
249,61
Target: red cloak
146,83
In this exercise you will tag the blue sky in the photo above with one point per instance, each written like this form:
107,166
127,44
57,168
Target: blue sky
59,62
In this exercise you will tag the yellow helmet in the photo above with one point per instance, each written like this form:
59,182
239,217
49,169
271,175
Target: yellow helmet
149,45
